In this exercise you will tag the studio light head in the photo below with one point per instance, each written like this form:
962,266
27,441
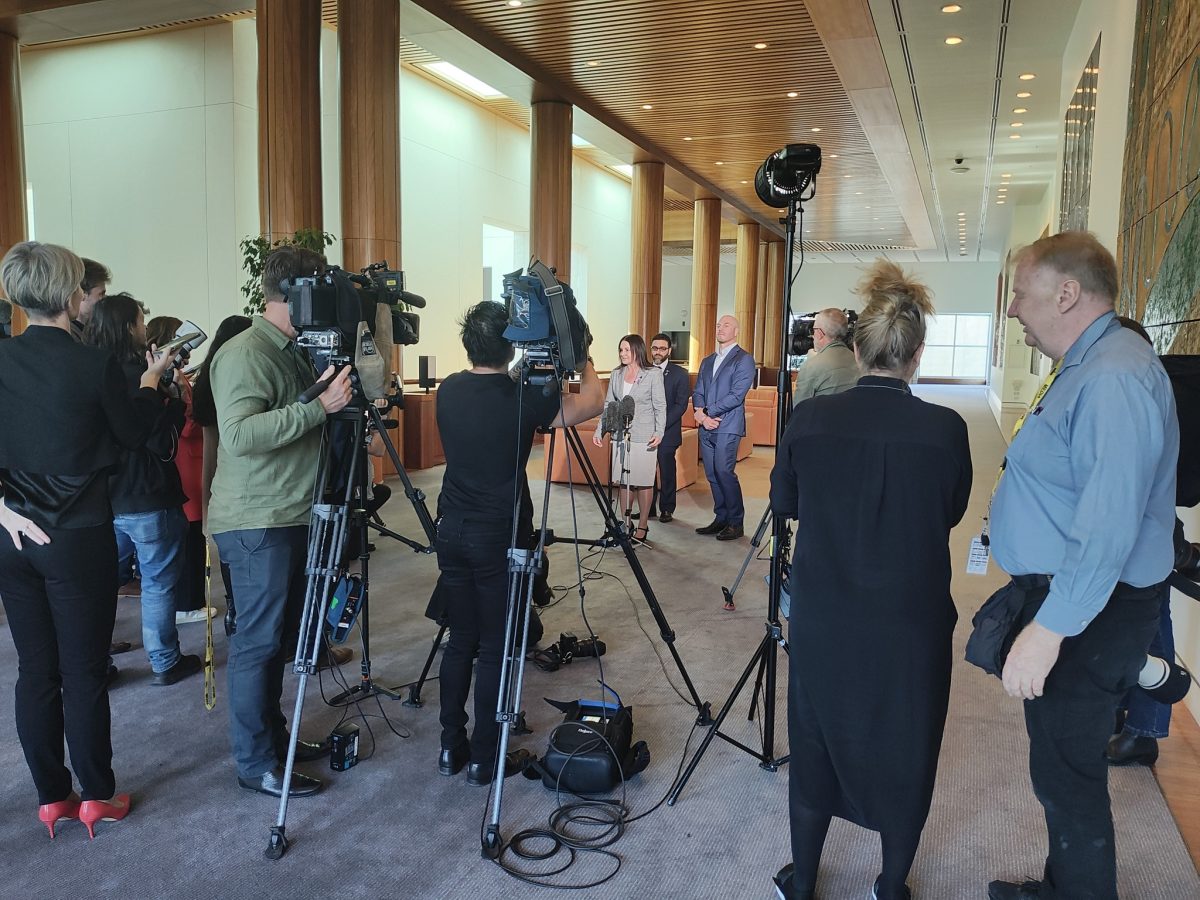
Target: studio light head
787,173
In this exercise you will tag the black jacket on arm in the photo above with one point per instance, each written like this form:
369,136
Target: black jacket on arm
678,388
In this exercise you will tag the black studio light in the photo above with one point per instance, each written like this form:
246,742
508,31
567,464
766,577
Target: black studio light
787,173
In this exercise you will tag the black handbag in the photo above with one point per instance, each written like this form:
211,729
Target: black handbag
998,623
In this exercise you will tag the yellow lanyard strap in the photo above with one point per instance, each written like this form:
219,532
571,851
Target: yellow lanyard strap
1033,405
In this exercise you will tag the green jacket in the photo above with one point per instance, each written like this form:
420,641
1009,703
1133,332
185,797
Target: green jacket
269,441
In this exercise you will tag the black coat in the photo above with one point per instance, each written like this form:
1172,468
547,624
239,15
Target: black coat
876,479
147,479
678,387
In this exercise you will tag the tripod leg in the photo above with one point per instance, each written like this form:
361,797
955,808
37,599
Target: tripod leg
716,728
414,693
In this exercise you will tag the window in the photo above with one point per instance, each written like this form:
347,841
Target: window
956,349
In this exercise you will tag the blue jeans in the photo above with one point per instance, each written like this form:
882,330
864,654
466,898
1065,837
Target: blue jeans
1146,717
266,569
157,538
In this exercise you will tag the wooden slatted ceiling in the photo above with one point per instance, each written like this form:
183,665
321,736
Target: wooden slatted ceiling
694,62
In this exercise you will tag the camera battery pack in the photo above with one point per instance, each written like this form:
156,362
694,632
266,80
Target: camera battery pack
343,752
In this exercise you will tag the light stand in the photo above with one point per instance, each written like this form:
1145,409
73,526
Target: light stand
780,177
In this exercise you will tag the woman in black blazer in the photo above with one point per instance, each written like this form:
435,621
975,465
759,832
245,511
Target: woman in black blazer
67,413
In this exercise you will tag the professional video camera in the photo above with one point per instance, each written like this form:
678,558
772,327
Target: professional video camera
343,318
802,332
544,322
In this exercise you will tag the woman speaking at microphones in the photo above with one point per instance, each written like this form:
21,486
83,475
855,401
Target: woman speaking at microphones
636,383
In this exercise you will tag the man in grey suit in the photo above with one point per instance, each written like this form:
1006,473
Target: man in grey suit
719,402
829,367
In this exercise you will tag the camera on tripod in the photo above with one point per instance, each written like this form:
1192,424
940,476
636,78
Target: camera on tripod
346,319
544,322
802,332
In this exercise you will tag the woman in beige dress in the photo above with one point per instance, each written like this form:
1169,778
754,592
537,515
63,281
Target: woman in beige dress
640,379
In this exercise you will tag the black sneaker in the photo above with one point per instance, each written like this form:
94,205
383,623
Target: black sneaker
187,664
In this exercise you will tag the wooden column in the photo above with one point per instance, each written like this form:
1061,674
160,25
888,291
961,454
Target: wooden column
760,303
289,116
369,61
550,180
774,299
706,260
646,252
746,283
12,156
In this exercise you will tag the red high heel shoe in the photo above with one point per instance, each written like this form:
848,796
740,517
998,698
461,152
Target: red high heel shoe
51,813
93,811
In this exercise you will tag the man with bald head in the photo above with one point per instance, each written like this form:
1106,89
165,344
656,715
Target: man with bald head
830,367
719,402
1082,520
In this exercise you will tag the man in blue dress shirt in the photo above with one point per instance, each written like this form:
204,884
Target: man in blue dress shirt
1082,520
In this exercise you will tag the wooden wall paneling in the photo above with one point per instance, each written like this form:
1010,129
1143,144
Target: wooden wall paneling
550,185
774,300
706,259
368,55
760,303
289,115
12,156
746,283
646,250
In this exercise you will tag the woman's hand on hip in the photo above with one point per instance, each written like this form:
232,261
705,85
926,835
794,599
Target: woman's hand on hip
17,526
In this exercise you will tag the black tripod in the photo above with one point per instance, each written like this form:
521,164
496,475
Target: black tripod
339,504
523,568
766,656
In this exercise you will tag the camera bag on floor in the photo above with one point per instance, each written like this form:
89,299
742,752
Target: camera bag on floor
579,760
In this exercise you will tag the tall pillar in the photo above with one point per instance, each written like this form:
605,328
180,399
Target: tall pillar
369,62
746,284
774,298
550,180
289,116
760,304
706,260
12,156
646,255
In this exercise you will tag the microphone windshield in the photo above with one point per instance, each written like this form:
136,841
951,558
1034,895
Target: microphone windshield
412,299
627,408
609,419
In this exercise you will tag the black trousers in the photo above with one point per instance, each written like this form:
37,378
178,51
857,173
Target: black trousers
1069,726
664,488
473,559
61,602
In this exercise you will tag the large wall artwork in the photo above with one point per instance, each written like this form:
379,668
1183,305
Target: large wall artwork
1158,248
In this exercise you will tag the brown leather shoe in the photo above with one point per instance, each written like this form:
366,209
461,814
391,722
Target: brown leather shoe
730,533
716,526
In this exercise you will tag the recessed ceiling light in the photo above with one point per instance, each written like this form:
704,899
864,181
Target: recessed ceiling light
866,207
858,193
845,176
719,163
951,8
883,228
833,156
760,46
814,129
1006,174
999,202
1014,137
745,182
687,138
1021,95
953,40
793,94
1020,110
875,218
515,3
647,106
1027,76
1016,124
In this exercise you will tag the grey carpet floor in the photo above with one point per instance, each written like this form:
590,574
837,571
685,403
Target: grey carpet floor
391,827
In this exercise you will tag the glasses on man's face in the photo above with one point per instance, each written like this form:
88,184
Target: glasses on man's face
659,348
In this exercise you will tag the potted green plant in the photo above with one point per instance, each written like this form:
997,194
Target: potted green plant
254,256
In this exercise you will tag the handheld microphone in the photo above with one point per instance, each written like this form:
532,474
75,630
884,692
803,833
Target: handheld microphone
627,408
317,389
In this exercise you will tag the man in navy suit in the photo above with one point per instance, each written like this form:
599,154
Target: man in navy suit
720,409
677,387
